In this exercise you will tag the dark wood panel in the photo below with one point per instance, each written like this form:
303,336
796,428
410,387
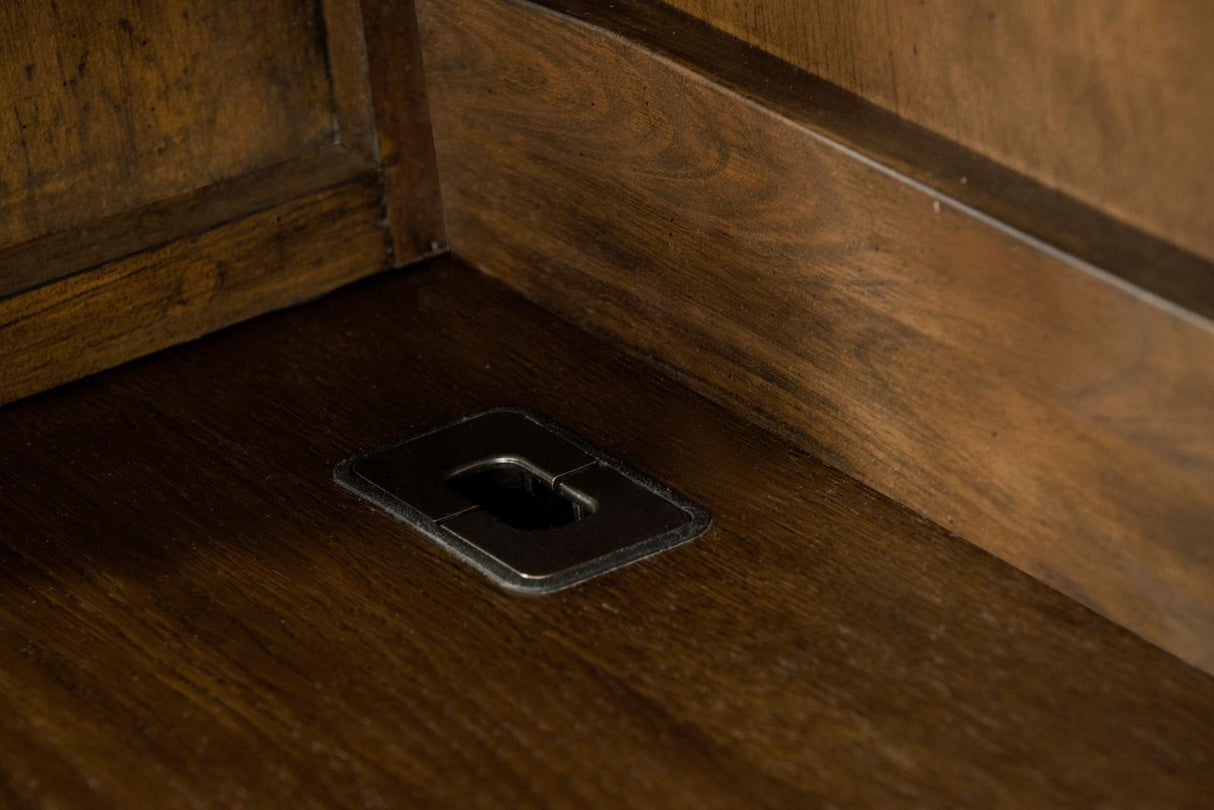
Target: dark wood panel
116,104
412,196
349,76
132,306
195,614
1042,408
1108,101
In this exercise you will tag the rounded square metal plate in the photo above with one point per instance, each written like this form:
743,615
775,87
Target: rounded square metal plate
633,516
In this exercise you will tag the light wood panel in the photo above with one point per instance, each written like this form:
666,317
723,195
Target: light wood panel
1107,101
136,127
1042,408
133,306
196,615
116,104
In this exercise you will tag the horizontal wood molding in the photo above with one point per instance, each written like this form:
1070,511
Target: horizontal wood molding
63,253
132,306
969,178
1109,101
1053,411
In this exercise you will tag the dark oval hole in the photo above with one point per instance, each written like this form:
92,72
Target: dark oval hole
510,491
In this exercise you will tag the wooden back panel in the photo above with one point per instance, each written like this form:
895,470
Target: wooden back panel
1043,407
169,168
115,104
1109,102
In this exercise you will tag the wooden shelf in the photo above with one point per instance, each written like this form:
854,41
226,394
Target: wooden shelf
194,614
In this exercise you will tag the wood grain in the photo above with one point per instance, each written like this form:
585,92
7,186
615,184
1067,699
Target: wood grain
133,306
1042,408
196,615
1108,102
116,104
92,243
349,76
913,152
412,195
137,126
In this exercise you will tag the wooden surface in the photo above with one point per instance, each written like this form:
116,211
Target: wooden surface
1040,407
850,122
196,615
193,146
89,244
116,104
349,76
1109,102
412,197
133,306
